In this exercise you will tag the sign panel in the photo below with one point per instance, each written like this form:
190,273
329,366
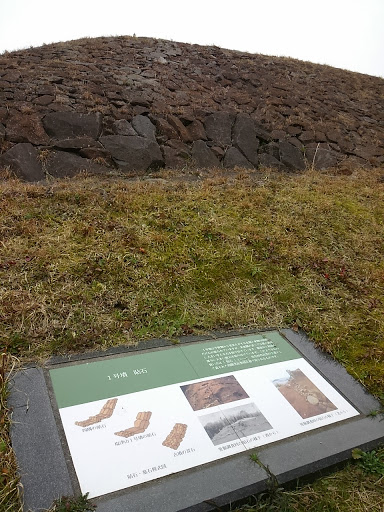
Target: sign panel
140,417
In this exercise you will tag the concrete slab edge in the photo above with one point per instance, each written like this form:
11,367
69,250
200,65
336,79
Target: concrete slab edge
289,460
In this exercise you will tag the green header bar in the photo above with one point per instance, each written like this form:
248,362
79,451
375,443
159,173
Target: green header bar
86,382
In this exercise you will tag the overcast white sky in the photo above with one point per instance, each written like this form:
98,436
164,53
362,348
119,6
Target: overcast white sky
347,34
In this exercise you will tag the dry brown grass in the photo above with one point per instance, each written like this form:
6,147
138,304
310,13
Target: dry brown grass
93,262
10,490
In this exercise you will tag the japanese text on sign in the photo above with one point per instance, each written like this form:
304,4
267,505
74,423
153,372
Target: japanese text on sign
238,354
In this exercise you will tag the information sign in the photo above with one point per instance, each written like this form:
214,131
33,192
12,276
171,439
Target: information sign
139,417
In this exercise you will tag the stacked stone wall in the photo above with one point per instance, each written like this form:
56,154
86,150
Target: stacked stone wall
137,105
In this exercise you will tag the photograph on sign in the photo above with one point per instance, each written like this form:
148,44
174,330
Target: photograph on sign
302,394
213,392
236,423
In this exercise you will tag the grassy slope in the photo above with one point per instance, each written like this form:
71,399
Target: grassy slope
91,263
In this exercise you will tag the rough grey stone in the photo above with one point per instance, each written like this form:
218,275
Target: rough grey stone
97,153
3,114
262,133
133,153
218,128
294,130
267,160
368,152
173,159
335,134
321,157
182,149
320,137
233,158
297,143
272,148
24,162
346,146
291,157
2,132
307,136
123,127
62,125
78,143
278,134
182,131
140,98
203,156
176,154
351,163
26,128
244,137
62,164
45,89
165,129
143,126
12,76
219,152
196,130
44,100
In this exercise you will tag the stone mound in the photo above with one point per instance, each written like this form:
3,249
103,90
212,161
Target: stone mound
135,105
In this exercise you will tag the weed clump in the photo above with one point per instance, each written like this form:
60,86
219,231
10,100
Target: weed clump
70,504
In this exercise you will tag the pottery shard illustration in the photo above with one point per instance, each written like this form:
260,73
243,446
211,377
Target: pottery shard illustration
174,438
141,424
106,412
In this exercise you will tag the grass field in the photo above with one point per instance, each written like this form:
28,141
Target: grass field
94,262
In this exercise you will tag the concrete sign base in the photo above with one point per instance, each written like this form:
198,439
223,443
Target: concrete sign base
172,427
